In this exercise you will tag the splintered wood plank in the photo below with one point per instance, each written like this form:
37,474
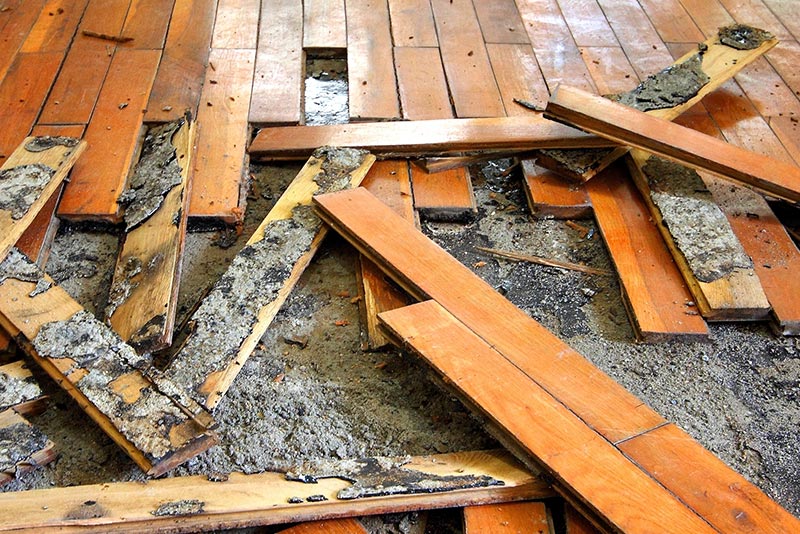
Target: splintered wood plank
632,127
236,24
466,62
144,290
556,51
77,87
550,196
445,195
654,292
240,307
324,25
724,289
55,27
500,22
412,23
346,525
221,158
22,93
587,23
719,494
518,77
20,18
587,469
370,69
425,271
672,22
515,517
258,499
280,65
180,75
20,390
25,447
146,23
433,137
146,416
32,173
114,139
421,83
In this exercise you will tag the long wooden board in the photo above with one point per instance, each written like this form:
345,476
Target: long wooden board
550,196
432,137
587,469
421,83
625,125
252,500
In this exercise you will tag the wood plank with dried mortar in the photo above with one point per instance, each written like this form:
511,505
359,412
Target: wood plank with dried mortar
515,517
23,447
143,296
550,196
412,23
234,315
421,83
324,25
114,136
19,390
151,419
445,195
193,503
587,469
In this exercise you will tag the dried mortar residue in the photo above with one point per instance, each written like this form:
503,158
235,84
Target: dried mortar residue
17,265
579,161
155,175
46,142
182,507
21,186
743,37
17,443
14,390
123,285
699,227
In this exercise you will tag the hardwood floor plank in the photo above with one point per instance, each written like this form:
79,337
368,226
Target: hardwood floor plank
610,69
180,75
421,83
587,23
19,21
787,130
550,196
429,272
672,22
324,24
346,525
370,66
708,15
786,14
654,292
55,28
236,24
575,523
146,23
445,195
500,22
784,57
221,157
755,13
518,77
412,23
765,88
466,62
528,517
280,65
114,138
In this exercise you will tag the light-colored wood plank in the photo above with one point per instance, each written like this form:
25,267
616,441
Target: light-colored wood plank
653,290
412,23
146,23
55,27
587,23
421,83
466,62
324,24
280,65
518,77
370,69
530,517
500,22
221,157
587,468
422,137
257,499
628,126
610,69
236,24
783,58
550,196
346,525
445,195
787,129
426,271
784,11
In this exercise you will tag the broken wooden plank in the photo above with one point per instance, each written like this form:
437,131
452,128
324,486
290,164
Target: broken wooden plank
346,525
587,469
324,25
28,177
144,290
558,264
654,293
511,517
240,307
715,266
443,196
277,96
113,137
19,390
414,138
550,196
421,83
629,126
426,271
195,503
23,447
221,163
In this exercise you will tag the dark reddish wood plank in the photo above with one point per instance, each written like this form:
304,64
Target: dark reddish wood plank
324,24
529,517
588,23
518,77
500,22
55,27
389,180
550,196
330,526
421,83
147,22
575,523
466,62
114,137
412,23
236,25
20,17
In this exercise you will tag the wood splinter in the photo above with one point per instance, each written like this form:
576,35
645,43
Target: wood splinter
107,37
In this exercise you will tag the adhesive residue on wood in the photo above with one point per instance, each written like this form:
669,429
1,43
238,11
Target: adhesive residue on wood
21,186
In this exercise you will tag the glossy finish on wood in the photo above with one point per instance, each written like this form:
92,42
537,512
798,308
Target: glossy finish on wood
512,518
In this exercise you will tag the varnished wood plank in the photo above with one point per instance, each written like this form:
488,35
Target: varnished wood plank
390,182
421,83
114,138
412,23
258,499
426,271
221,158
610,69
587,468
500,22
280,65
19,21
628,126
518,77
516,517
787,129
712,489
146,23
653,290
709,15
445,195
672,22
786,14
236,24
783,58
755,13
346,525
422,137
55,28
587,23
765,88
371,76
550,196
466,62
324,24
575,523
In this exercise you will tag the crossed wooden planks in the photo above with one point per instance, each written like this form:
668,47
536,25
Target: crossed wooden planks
594,412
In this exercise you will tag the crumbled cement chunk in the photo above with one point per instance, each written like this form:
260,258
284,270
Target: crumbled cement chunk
21,186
